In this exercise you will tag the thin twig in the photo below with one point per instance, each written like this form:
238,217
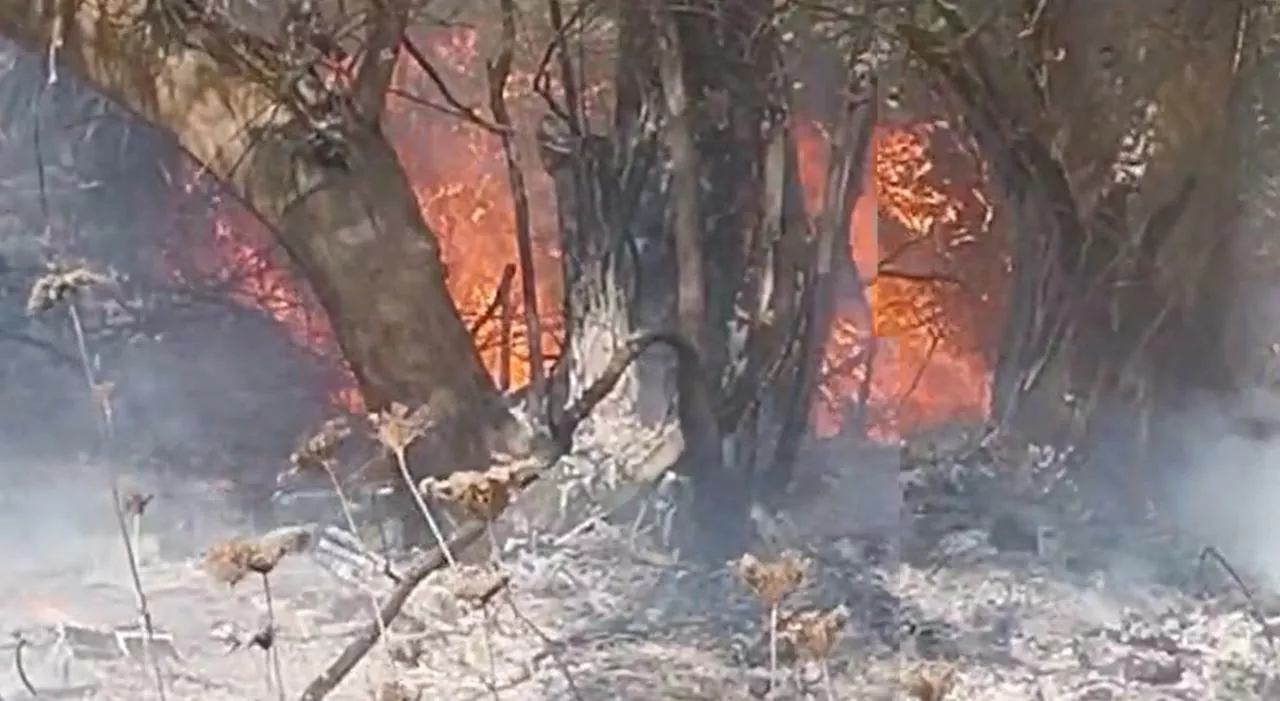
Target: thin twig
273,654
351,524
550,645
1255,611
22,671
441,542
140,595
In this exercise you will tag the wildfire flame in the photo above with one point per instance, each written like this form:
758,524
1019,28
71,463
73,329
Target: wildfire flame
920,374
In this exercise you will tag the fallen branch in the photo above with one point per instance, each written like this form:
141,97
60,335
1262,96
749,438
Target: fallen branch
562,441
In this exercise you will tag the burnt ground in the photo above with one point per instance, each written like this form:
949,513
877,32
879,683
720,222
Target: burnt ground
995,567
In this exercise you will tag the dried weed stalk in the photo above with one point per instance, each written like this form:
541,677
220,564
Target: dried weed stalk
482,495
813,634
231,561
129,506
477,586
59,285
771,582
319,452
923,685
397,428
21,643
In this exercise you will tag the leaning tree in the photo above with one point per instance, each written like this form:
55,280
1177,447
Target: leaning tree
309,156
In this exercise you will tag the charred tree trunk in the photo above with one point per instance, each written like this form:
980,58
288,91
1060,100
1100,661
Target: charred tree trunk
1110,155
596,264
335,196
755,270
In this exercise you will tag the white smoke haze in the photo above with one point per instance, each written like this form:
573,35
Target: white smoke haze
1228,491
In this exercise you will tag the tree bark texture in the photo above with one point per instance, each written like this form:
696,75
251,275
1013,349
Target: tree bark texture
349,220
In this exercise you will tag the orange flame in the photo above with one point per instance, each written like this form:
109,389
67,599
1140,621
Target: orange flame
920,373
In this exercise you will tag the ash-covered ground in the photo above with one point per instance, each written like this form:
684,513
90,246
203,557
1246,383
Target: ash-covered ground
1001,564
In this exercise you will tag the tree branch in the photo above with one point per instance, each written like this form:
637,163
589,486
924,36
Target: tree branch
438,80
388,20
499,72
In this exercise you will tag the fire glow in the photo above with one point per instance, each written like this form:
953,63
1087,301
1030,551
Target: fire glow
460,179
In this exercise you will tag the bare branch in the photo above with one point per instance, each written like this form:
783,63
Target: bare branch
438,80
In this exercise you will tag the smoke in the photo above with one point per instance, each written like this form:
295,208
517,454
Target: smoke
203,388
1226,491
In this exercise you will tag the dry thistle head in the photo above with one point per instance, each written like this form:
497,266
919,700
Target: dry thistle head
231,561
318,450
133,502
52,288
930,686
476,585
813,633
772,581
397,427
483,495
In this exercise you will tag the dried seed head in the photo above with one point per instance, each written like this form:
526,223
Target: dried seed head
231,561
923,685
56,286
318,450
227,562
813,633
772,581
397,427
133,502
483,495
476,585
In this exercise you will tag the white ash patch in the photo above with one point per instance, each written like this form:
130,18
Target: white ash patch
1100,615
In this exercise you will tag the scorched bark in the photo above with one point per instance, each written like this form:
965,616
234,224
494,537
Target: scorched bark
356,232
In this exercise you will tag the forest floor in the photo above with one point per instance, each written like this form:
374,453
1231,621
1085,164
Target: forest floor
1008,582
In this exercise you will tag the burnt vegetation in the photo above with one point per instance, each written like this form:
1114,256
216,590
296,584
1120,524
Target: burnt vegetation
790,233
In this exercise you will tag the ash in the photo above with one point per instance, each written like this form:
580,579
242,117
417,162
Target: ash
992,563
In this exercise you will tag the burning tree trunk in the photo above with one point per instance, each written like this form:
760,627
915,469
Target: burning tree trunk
312,161
1107,135
751,272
